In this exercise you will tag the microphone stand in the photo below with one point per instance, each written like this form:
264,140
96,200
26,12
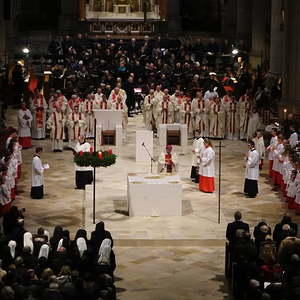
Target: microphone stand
151,158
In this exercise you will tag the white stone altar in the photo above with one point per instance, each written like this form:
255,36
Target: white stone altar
109,120
143,137
154,195
162,133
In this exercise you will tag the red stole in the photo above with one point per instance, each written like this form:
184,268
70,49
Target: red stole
74,131
165,106
103,105
169,163
39,111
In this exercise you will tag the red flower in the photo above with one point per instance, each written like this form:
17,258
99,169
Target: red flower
110,151
81,153
100,155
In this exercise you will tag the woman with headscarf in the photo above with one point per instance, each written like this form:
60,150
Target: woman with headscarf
12,246
106,261
57,235
81,245
44,251
99,235
27,241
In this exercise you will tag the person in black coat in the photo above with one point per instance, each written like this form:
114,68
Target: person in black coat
98,235
129,89
279,228
234,226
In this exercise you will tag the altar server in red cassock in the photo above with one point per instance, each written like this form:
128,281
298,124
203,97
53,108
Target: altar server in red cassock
207,168
271,148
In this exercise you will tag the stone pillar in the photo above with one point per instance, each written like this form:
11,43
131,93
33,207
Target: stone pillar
260,22
291,58
174,19
276,51
2,34
243,25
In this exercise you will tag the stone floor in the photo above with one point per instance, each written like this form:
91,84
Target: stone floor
157,257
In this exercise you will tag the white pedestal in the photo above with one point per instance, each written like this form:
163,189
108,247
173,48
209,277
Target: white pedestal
119,136
153,195
162,133
143,137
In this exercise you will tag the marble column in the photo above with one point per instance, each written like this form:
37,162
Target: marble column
291,57
276,50
174,19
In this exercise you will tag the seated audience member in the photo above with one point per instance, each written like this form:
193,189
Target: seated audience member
279,227
98,235
234,226
261,230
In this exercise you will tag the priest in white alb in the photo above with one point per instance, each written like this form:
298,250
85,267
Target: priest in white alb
260,147
232,116
76,126
197,149
120,105
186,115
38,107
148,110
56,124
200,108
165,111
24,130
87,108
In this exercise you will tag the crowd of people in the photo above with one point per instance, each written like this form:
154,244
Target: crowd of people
37,266
266,266
170,80
10,167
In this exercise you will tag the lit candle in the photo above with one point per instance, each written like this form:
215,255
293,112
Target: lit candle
91,150
81,153
284,113
100,155
110,151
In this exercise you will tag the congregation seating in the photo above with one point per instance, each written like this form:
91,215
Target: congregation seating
266,266
40,266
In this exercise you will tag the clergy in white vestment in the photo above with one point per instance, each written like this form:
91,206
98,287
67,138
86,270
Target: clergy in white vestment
270,148
72,103
24,121
98,96
38,107
165,111
232,116
200,109
83,175
120,105
293,139
211,93
217,119
177,100
252,171
87,107
186,115
168,161
253,124
116,94
260,147
56,124
37,183
197,149
244,112
104,104
76,126
148,110
207,168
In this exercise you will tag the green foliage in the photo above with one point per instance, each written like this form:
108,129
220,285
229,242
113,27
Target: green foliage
86,159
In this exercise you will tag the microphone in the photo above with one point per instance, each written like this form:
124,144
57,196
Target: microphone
143,144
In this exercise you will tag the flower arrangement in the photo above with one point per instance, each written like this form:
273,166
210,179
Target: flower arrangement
95,158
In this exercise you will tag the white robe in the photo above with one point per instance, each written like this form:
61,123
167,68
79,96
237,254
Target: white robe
271,147
38,106
260,147
244,111
186,116
277,157
24,124
207,162
148,111
217,120
200,109
37,172
198,147
87,107
293,139
165,112
232,120
252,165
253,124
76,127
